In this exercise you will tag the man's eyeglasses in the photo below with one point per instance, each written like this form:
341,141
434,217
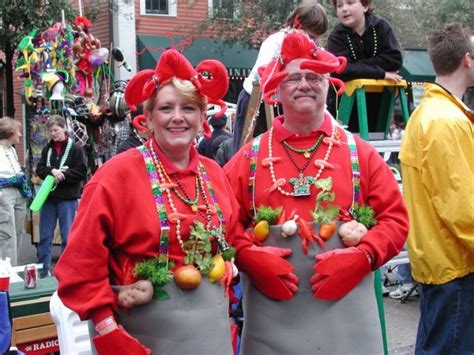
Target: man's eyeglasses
311,78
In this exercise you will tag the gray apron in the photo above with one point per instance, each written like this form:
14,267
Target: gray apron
191,322
305,325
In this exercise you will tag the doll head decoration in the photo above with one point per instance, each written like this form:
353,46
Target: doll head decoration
297,44
54,82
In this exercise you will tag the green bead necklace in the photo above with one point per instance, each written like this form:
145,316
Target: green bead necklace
186,199
351,47
306,152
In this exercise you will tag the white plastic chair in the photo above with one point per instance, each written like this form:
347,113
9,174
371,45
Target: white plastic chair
73,334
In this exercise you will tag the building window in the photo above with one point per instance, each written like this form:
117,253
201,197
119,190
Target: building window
158,7
223,8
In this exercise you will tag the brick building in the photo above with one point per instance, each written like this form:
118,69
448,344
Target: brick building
143,29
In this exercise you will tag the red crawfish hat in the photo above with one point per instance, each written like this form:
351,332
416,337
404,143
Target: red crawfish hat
173,64
297,45
82,22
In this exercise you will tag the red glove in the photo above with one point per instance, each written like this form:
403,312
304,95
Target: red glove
270,273
119,342
226,280
338,271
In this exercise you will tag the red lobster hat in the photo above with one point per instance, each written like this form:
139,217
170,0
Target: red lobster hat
173,64
297,45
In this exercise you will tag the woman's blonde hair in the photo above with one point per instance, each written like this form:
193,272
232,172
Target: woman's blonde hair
186,89
8,127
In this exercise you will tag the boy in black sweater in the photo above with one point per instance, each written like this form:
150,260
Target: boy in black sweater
371,48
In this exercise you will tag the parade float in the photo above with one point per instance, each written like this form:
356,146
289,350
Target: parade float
66,71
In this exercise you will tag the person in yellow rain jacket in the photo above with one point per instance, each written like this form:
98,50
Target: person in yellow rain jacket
437,156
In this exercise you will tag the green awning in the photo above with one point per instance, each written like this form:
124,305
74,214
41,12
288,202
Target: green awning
417,66
238,58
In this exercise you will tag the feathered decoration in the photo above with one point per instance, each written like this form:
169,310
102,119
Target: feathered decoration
82,23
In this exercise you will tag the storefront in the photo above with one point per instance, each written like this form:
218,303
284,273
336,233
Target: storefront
238,58
416,70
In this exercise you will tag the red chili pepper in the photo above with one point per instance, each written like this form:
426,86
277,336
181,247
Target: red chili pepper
306,234
174,216
319,240
292,214
304,245
281,218
344,215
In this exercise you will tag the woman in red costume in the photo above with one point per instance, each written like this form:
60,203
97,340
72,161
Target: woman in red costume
157,215
302,294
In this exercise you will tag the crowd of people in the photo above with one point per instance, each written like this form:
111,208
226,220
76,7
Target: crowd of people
162,232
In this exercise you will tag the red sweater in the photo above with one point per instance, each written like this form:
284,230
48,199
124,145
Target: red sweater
117,226
378,187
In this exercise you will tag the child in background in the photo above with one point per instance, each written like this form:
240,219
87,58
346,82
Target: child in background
371,48
311,17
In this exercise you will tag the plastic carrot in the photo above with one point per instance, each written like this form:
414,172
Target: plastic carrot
327,230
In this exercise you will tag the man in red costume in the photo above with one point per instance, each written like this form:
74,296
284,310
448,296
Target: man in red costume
303,297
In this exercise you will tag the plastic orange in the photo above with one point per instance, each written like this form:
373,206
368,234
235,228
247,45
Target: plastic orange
187,277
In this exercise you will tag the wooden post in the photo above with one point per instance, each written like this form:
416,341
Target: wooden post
252,110
256,99
269,115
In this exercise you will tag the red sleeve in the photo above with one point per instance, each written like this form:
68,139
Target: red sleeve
237,171
82,270
380,190
226,199
108,237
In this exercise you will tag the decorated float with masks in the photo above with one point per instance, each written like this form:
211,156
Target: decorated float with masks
66,71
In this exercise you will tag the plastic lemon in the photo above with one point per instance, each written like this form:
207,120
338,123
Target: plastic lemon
218,270
261,230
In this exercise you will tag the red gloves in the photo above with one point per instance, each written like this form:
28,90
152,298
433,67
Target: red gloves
338,271
226,279
270,273
119,342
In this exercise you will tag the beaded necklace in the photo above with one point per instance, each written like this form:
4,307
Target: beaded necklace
65,155
302,184
217,232
306,152
297,188
351,46
14,164
186,198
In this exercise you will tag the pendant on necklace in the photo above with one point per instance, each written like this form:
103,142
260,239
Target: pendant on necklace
301,185
216,233
306,154
194,208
